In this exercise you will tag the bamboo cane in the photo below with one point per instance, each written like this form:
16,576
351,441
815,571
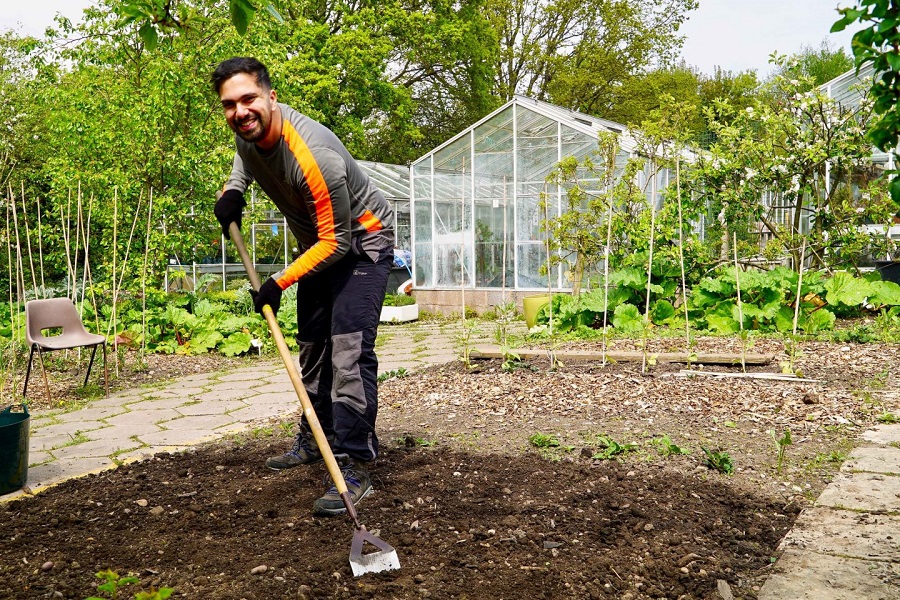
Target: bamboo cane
28,242
144,280
737,283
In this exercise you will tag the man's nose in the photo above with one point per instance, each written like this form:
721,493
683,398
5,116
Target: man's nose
241,110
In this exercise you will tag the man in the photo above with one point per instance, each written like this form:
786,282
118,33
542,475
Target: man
345,230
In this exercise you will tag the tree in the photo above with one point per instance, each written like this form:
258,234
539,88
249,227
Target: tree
817,65
576,53
878,44
802,150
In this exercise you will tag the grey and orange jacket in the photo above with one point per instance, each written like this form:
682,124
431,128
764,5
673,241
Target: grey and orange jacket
330,204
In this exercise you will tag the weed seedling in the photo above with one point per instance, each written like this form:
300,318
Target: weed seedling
610,448
398,373
718,460
666,447
544,440
888,418
781,445
112,582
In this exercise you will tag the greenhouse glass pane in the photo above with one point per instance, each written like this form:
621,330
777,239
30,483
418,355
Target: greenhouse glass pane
493,201
453,227
421,202
538,149
529,214
531,256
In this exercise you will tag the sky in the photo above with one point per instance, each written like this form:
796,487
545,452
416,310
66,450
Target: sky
735,35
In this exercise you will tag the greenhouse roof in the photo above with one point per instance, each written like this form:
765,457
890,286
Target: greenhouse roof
392,180
849,88
580,122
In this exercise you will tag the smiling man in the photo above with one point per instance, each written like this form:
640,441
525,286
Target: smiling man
345,230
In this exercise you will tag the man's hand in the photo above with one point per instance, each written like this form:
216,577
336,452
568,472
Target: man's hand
269,293
228,210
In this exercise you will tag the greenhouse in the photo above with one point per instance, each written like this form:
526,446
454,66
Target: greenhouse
476,200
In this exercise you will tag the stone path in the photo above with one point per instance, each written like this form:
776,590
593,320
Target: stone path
845,547
137,423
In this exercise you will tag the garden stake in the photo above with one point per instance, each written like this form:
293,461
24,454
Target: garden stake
385,557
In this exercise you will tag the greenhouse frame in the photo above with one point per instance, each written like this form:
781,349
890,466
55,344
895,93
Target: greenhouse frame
476,201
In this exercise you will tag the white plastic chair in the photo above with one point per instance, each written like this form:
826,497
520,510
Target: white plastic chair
59,313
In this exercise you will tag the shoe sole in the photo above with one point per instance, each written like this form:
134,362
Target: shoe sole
331,512
286,467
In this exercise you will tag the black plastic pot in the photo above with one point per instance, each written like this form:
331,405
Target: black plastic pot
889,269
14,432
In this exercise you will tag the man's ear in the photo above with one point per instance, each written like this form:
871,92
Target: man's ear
273,97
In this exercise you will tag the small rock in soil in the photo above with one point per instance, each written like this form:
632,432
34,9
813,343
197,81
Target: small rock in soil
259,570
141,502
47,566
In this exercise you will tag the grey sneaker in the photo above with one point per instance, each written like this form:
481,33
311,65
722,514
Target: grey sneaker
304,451
356,476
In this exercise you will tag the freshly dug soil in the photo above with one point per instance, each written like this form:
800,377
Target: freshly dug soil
465,526
490,484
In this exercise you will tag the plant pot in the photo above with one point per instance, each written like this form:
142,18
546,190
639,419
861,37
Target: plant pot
399,314
889,270
14,432
531,305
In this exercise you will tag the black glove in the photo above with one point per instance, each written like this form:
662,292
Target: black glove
228,210
269,293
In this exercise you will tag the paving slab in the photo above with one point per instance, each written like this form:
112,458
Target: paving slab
143,419
70,428
874,459
95,448
235,390
283,409
198,423
160,404
281,384
37,457
61,470
846,533
177,437
862,491
805,575
883,434
173,391
211,407
249,374
91,414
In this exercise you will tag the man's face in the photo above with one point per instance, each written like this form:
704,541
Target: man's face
248,107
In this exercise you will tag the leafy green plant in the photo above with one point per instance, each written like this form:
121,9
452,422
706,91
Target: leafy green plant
666,447
399,373
398,300
610,448
781,444
888,418
718,460
112,583
544,440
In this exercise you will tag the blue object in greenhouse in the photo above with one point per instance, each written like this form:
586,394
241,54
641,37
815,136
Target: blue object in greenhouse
402,259
14,434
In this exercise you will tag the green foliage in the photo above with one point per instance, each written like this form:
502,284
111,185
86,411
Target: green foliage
718,460
398,300
781,444
112,583
888,418
876,44
544,440
399,373
608,448
666,447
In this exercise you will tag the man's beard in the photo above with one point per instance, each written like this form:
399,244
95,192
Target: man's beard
257,133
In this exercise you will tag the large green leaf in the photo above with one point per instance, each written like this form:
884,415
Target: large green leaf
628,318
884,293
234,344
818,320
844,288
241,14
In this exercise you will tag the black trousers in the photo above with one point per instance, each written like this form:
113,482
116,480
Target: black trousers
338,312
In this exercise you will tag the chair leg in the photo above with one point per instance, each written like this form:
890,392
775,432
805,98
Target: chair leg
44,371
90,364
105,371
28,372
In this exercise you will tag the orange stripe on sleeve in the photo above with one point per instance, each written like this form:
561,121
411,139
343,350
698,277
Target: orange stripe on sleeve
327,244
370,221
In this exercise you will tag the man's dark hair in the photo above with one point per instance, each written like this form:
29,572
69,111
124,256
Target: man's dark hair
240,64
